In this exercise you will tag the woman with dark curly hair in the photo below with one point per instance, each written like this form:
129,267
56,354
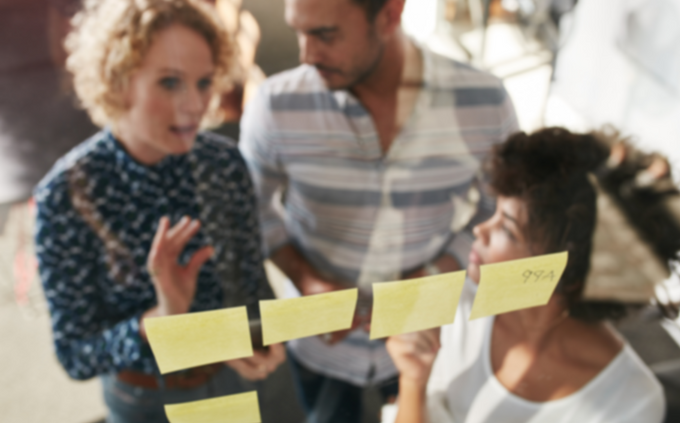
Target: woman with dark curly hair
603,202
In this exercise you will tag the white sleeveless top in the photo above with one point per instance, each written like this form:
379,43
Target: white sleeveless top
463,388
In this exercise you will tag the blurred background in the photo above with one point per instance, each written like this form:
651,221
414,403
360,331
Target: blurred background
579,64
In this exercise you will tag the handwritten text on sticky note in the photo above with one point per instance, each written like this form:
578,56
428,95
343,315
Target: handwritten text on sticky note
283,320
240,408
517,284
194,339
416,304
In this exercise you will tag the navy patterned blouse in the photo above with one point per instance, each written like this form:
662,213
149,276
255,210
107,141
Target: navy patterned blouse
98,210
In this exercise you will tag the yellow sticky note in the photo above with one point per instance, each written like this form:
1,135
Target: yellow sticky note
283,320
416,304
517,284
194,339
240,408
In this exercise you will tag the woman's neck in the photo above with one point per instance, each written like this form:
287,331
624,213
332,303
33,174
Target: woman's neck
537,324
139,150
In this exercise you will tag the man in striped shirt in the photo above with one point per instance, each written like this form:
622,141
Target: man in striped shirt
366,161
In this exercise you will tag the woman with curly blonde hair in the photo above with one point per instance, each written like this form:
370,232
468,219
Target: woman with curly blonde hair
150,216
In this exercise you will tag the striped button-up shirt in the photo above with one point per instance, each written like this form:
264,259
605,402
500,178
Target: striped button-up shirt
359,215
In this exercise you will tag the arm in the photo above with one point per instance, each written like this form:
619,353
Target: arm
258,146
253,276
88,340
91,335
301,273
414,355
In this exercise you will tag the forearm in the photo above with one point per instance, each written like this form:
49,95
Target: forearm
85,355
447,263
412,402
152,312
289,260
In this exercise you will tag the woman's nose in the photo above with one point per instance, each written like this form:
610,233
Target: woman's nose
193,101
480,232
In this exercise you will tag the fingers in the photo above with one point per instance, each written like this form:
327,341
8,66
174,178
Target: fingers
198,260
180,234
277,354
247,369
416,343
261,364
181,224
169,242
430,339
158,239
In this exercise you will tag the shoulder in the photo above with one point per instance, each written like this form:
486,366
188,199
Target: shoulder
94,152
208,143
445,72
637,391
469,84
301,79
285,90
218,151
642,381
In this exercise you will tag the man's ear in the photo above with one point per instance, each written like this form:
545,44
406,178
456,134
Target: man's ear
389,17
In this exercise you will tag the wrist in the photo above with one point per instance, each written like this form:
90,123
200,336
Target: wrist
413,386
165,308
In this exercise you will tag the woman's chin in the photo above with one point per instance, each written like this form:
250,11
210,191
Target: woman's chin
181,145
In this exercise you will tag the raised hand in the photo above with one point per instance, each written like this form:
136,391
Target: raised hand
414,354
175,284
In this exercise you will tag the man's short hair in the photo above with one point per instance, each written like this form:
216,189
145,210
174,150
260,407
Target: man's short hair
372,7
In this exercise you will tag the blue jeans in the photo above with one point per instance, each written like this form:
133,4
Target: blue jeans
329,400
132,404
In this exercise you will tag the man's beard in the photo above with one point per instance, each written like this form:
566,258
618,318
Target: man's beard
359,75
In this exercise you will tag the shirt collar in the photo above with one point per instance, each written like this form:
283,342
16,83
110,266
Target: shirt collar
125,161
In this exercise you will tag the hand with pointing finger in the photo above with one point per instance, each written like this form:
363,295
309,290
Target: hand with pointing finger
175,284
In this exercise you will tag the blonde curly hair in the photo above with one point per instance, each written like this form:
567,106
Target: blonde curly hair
111,37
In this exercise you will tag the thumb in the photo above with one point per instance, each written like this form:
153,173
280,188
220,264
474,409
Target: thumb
198,260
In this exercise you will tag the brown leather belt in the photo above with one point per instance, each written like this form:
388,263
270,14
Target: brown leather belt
185,379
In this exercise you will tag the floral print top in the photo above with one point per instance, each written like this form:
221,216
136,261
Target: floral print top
97,213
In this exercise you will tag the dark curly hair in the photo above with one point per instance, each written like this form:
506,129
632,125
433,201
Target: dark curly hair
549,170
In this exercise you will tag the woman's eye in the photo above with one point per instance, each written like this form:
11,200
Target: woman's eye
170,83
204,84
509,233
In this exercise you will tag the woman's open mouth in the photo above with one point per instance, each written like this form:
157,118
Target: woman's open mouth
184,131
